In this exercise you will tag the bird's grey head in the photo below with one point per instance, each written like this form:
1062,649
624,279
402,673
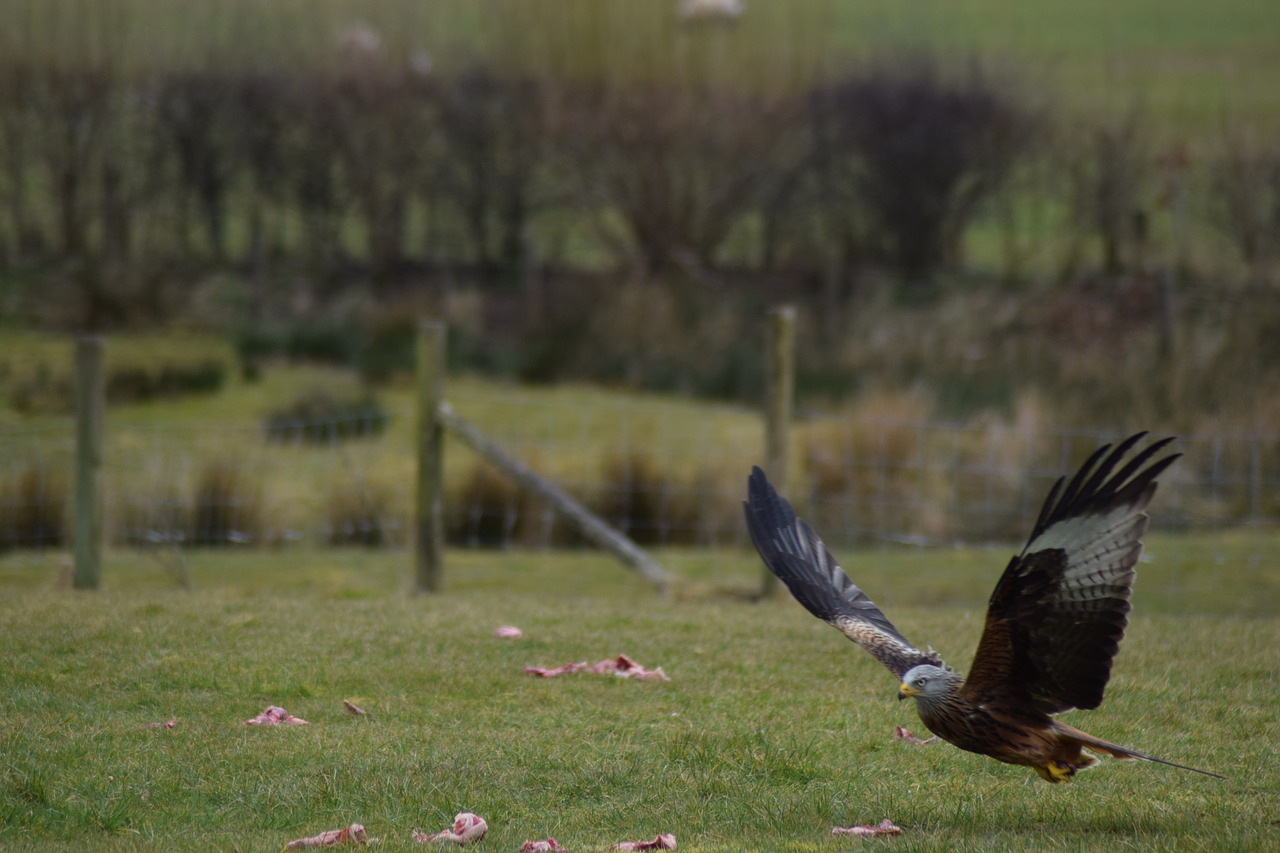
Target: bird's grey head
926,682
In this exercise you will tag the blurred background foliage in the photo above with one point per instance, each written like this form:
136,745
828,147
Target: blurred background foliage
972,203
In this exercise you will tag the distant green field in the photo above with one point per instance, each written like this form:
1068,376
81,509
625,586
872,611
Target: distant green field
772,729
566,431
878,465
1191,65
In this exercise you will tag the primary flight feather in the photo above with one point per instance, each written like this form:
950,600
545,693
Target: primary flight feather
1054,621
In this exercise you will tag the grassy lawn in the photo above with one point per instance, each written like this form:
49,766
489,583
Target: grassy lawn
772,729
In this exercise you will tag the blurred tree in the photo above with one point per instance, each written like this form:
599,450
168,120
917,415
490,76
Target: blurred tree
18,154
1109,168
916,150
496,168
1246,195
195,125
680,166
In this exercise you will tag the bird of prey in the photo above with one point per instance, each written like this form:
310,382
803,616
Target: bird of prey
1054,621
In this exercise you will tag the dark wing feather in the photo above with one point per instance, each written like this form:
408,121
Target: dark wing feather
795,553
1056,618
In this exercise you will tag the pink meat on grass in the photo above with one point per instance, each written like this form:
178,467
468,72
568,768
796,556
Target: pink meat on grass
884,827
546,846
353,834
467,828
899,733
275,716
665,841
621,666
553,672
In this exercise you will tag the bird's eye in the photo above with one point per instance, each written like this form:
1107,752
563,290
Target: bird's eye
922,682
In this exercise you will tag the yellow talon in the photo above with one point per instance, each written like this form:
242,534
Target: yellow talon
1060,772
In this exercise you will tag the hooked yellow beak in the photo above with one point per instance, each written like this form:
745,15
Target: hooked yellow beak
904,691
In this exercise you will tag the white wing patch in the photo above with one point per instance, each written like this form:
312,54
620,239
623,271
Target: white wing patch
1101,553
1071,534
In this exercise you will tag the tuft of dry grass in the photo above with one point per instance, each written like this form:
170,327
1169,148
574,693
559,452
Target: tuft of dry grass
360,513
227,506
33,508
152,514
485,510
643,499
864,467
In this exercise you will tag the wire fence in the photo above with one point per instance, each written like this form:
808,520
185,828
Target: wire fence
871,480
664,472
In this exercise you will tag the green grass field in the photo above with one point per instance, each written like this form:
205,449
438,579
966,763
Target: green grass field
772,729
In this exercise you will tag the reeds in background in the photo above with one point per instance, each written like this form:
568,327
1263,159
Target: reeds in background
360,513
33,507
226,506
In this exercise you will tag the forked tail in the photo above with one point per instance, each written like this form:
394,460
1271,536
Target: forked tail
1117,751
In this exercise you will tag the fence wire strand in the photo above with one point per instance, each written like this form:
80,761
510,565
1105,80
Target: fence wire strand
666,473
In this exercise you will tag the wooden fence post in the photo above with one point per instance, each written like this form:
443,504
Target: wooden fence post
429,546
779,392
591,526
90,402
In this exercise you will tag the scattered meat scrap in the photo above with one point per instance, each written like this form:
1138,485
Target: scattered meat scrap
508,632
624,667
621,666
899,733
540,846
353,708
565,669
354,833
274,716
467,827
665,841
884,827
167,724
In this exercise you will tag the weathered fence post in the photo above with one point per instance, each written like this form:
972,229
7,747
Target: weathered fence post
430,505
779,392
591,526
90,403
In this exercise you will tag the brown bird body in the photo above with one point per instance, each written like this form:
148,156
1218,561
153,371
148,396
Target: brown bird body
1015,736
1054,621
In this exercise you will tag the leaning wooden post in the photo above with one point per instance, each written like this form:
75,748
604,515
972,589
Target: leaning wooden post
90,403
779,392
430,504
591,526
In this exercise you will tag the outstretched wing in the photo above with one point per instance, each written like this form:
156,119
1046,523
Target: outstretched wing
794,553
1056,618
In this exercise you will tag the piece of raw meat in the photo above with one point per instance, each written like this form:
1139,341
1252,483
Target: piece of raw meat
354,834
275,716
665,841
884,827
546,846
621,666
467,827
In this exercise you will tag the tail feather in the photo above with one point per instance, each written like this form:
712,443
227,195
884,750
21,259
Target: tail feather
1116,751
